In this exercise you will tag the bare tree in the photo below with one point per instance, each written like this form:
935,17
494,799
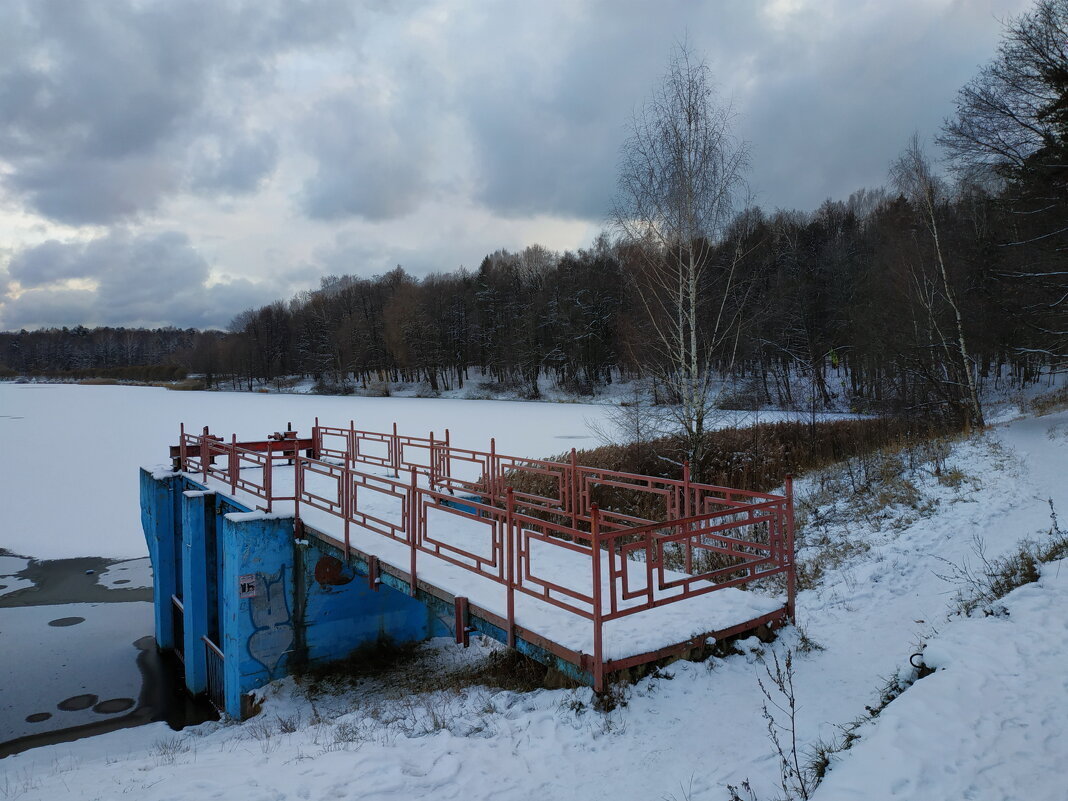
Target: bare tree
912,175
1013,116
681,173
1012,124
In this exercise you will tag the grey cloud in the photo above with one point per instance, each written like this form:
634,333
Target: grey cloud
373,155
93,191
45,264
115,95
233,166
148,280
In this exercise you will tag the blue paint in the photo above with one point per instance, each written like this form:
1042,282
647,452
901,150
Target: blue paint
458,503
198,521
160,529
309,604
273,635
257,630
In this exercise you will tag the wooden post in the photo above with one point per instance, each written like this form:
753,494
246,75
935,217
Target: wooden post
235,464
686,511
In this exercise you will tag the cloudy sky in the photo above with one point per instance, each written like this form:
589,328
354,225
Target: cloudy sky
172,162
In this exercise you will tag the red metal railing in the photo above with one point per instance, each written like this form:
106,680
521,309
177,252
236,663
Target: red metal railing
520,515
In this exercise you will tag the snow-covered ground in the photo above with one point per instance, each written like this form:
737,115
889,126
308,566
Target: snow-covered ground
989,723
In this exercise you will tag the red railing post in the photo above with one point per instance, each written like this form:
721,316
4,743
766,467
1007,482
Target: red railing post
510,556
395,443
414,523
491,490
347,502
205,456
598,648
181,447
316,440
788,552
446,463
686,507
430,463
235,464
574,489
268,475
298,488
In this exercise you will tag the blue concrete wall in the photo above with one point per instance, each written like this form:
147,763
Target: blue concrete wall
198,521
259,632
161,529
303,604
342,610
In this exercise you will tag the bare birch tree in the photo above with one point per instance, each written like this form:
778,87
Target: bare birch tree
681,174
912,176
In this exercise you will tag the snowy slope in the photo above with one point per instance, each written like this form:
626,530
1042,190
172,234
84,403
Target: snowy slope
988,724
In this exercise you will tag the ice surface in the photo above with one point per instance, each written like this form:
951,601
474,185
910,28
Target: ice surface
80,448
131,574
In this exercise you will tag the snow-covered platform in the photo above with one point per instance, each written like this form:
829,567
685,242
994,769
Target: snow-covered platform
592,571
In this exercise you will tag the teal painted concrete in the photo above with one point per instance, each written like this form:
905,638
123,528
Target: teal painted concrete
198,517
303,602
160,528
258,631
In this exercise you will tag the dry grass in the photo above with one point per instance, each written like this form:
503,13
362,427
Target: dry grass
1050,402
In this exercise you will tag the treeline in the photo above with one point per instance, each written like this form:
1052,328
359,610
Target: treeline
843,299
123,354
840,310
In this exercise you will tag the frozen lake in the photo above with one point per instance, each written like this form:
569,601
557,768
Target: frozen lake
68,482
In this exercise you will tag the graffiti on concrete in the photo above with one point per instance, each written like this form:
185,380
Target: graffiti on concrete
271,619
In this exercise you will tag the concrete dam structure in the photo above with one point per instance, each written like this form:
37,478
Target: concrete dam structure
285,552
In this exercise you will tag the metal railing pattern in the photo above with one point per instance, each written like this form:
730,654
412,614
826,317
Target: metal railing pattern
704,537
214,659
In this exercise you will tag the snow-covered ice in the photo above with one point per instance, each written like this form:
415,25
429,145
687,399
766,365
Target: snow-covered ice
130,574
73,489
10,581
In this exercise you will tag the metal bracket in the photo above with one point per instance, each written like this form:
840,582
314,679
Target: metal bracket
373,581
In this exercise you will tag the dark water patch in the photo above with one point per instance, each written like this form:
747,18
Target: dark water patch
66,621
163,697
121,581
113,706
76,703
70,581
